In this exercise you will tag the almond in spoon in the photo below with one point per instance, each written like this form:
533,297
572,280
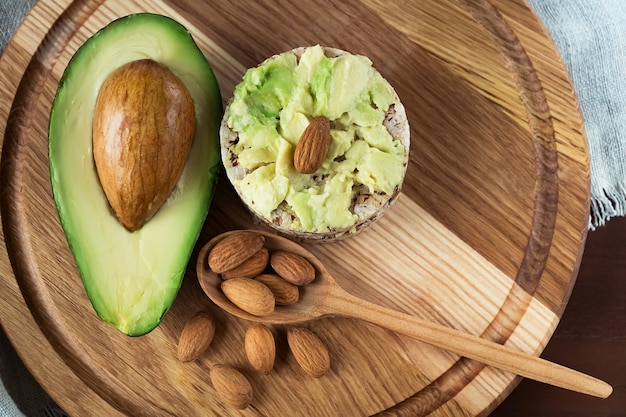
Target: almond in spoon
292,267
285,293
234,249
250,268
249,295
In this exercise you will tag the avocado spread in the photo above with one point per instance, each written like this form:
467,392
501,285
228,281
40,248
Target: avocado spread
273,105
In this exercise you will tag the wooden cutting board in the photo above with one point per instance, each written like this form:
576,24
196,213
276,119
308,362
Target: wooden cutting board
486,237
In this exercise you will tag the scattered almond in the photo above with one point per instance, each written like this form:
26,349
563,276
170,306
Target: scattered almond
234,249
260,348
254,266
292,267
309,351
196,337
312,146
285,293
231,385
249,295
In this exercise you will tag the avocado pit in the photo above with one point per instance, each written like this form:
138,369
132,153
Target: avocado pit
143,128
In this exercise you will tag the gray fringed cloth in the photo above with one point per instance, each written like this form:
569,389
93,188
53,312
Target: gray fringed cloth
591,38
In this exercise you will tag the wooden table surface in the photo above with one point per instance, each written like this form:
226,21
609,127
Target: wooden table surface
590,337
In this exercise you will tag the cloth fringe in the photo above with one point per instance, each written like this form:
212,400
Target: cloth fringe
610,203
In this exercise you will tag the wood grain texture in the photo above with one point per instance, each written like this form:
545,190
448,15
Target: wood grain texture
591,335
486,237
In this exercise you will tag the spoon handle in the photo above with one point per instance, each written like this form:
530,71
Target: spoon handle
470,346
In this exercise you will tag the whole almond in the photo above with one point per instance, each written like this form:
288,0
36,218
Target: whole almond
196,337
292,267
231,385
312,146
260,348
249,295
234,249
143,127
309,351
255,265
285,293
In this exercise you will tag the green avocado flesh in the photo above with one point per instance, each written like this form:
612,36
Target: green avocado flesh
273,105
131,278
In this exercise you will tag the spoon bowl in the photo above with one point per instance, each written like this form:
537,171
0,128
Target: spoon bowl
310,304
325,297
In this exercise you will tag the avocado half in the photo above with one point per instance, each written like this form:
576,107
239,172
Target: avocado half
131,278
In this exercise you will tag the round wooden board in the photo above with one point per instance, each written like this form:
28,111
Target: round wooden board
486,237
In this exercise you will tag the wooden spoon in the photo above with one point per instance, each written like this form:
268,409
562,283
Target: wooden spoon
324,297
